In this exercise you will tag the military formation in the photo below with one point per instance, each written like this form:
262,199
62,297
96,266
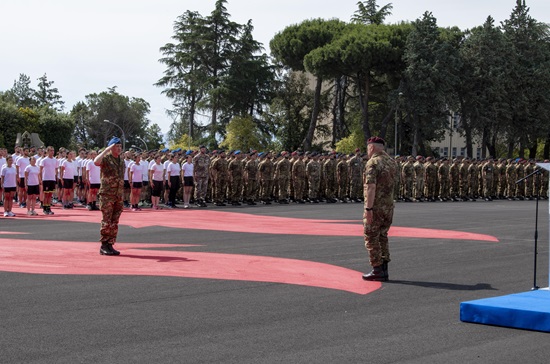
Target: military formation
465,179
234,177
268,177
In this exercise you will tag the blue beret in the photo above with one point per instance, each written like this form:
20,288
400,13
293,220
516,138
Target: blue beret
189,152
260,154
178,150
115,140
237,152
164,150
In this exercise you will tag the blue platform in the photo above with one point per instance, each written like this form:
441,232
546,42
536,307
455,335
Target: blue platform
528,310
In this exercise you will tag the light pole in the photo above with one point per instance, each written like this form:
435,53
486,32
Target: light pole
122,131
396,120
143,141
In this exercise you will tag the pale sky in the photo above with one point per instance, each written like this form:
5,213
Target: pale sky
86,46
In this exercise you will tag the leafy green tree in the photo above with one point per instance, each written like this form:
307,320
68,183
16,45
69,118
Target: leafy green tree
289,112
22,93
369,12
482,87
291,46
430,79
47,95
370,55
185,77
529,66
128,114
242,134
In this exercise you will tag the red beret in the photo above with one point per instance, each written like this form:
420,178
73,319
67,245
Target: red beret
376,140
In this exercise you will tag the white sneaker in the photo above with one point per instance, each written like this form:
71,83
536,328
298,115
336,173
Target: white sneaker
11,214
6,214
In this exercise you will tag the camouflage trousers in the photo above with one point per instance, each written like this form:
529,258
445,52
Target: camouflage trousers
220,190
283,182
313,188
376,236
235,189
250,189
201,187
298,189
355,188
265,189
111,208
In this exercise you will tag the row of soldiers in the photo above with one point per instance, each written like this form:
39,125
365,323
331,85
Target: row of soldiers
469,179
235,177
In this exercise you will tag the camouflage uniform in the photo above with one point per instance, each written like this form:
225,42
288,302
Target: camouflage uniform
454,179
219,175
419,179
266,178
473,171
443,174
407,174
430,180
201,163
110,196
250,180
488,179
298,179
235,186
342,179
313,171
528,169
329,176
511,178
380,170
282,172
355,177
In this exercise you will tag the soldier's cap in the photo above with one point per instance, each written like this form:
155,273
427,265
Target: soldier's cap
418,157
357,150
202,146
376,140
164,150
189,152
252,153
294,153
261,154
114,140
237,152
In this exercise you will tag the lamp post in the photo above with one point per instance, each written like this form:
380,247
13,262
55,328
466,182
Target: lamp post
122,131
396,120
143,141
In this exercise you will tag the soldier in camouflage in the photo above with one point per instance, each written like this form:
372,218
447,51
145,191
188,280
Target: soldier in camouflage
379,177
110,194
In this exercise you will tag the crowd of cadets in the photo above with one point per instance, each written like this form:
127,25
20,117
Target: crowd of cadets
199,177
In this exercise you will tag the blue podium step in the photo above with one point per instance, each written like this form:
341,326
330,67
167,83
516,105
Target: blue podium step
528,310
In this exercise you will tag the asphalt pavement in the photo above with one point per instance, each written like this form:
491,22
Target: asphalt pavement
189,298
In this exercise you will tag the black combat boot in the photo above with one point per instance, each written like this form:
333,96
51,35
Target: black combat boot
377,274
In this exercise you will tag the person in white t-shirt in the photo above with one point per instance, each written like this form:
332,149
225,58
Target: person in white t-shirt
20,165
8,176
93,179
187,171
3,154
68,170
156,179
135,179
48,172
32,185
173,173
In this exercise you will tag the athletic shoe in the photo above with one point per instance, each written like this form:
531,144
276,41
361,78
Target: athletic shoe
6,214
33,213
29,213
11,214
185,206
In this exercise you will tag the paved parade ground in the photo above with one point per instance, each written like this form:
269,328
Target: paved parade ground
267,284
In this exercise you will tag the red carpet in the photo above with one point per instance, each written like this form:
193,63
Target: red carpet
52,257
241,222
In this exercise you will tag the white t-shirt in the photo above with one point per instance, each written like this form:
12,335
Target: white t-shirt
2,162
135,169
22,163
32,175
158,171
165,165
94,172
8,176
69,169
173,169
187,169
49,169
